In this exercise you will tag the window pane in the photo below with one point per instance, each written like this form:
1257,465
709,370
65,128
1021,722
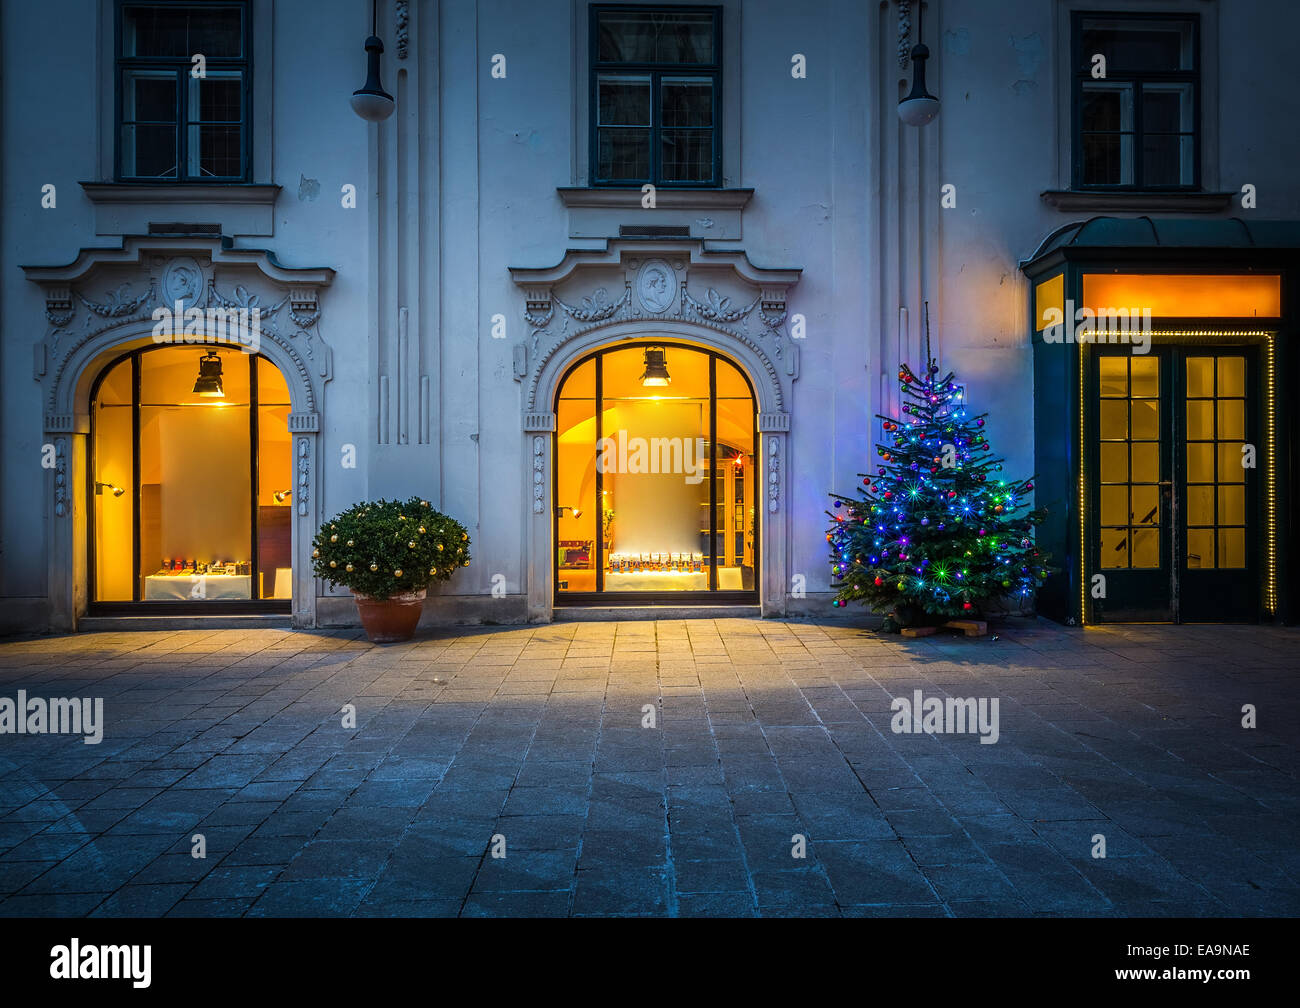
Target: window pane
1146,418
168,32
1146,505
1200,420
218,98
1166,160
1200,505
624,154
1146,548
1200,463
1114,419
1232,548
1107,108
623,101
1114,505
195,480
1107,159
1146,462
149,96
1230,459
1232,505
1114,463
1167,108
687,102
1200,376
1232,418
655,37
1232,376
113,466
1133,45
687,155
1146,376
1200,548
149,151
215,151
1114,547
1114,375
274,484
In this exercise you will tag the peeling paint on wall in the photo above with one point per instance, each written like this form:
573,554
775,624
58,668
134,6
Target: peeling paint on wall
1029,54
957,42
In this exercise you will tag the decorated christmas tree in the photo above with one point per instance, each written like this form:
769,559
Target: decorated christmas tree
936,533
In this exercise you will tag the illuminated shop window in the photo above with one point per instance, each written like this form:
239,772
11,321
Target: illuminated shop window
648,498
191,478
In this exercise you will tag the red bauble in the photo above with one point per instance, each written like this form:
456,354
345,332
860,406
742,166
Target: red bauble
965,605
879,582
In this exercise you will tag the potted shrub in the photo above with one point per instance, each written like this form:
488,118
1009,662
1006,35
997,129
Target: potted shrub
388,553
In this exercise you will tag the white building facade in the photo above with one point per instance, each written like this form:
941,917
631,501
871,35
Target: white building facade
467,300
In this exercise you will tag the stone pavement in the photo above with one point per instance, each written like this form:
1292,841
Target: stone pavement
764,731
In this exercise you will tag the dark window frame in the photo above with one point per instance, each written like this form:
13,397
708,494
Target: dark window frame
1082,75
180,67
656,71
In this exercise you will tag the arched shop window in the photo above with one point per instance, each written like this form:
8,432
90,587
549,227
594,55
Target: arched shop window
655,490
190,482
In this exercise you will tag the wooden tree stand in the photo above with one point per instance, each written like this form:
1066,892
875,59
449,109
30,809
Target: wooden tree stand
971,628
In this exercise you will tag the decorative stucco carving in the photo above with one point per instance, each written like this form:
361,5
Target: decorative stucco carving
744,303
117,303
904,33
654,286
61,508
302,488
402,31
201,274
182,282
539,473
773,474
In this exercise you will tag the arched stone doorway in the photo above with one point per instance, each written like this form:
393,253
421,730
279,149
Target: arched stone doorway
192,294
669,292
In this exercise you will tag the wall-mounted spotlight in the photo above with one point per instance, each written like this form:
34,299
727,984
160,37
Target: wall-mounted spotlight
101,487
282,495
559,511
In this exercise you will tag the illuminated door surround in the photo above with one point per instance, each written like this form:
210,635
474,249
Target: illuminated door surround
1174,522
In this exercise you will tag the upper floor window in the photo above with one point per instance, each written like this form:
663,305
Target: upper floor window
183,87
1136,99
655,81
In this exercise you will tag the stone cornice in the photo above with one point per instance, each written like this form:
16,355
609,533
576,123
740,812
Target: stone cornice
219,250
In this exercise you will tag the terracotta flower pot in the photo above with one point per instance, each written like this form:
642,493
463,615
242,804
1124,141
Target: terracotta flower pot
390,620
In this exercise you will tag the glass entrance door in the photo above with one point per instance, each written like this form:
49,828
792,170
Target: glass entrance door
654,477
1174,492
